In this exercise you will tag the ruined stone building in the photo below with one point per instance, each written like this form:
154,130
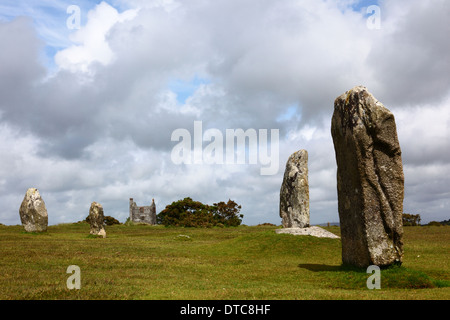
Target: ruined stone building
145,214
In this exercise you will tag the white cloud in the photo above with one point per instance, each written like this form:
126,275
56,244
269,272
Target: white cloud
424,131
91,43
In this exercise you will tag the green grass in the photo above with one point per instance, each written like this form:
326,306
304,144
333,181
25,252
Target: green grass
154,262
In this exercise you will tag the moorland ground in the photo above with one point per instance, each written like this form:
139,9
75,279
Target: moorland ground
245,262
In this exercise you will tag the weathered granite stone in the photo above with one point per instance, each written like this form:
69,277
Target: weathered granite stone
33,213
370,181
294,193
96,219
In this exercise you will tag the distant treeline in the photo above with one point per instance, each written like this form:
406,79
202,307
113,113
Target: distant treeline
439,223
414,220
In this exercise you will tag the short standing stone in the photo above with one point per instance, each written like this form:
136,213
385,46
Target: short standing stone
370,181
294,193
33,213
96,219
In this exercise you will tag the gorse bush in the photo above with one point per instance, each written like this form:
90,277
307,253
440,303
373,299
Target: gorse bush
186,212
190,213
227,213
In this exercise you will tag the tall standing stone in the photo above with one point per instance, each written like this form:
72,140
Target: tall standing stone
294,193
33,213
96,219
370,181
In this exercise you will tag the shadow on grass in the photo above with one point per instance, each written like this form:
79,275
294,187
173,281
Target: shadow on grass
319,267
396,276
323,267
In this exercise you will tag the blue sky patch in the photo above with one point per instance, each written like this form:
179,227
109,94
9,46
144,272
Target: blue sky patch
290,113
185,89
362,5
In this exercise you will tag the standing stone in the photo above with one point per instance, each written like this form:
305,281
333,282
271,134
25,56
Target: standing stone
96,219
294,193
33,213
370,181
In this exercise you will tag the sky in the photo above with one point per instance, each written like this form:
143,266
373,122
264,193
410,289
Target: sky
90,99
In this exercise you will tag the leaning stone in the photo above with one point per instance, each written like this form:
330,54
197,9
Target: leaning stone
33,213
96,219
294,193
370,181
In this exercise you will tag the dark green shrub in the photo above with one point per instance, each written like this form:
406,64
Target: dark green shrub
190,213
228,213
107,221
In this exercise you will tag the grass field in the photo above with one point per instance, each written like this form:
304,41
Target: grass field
247,262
